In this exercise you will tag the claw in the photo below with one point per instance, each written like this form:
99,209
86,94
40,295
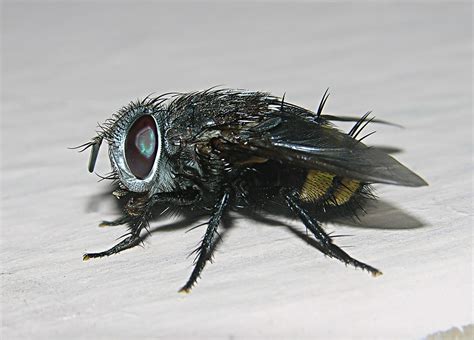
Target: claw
184,290
377,273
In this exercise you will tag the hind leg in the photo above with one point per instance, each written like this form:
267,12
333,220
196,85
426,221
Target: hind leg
325,242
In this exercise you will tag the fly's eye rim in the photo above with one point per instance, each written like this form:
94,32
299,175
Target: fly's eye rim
117,150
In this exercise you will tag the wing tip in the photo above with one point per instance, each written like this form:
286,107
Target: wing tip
405,177
416,181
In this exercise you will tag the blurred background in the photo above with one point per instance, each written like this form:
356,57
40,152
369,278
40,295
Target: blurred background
65,66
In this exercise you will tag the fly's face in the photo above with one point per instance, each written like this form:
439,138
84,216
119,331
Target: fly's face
135,138
135,148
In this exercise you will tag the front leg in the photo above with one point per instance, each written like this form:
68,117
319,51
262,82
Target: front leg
129,242
137,212
119,221
180,198
136,224
208,243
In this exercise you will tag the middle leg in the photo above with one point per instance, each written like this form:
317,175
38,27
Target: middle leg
208,243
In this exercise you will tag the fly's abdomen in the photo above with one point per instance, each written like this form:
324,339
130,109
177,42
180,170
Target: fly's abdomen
327,189
316,186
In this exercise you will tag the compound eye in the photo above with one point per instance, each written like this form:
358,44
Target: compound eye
141,146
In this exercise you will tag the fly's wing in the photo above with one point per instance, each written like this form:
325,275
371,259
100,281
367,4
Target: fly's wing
312,145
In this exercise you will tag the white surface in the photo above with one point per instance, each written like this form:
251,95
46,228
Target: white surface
67,66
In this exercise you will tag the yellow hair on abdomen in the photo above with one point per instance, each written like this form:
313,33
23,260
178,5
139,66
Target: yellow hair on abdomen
316,185
344,191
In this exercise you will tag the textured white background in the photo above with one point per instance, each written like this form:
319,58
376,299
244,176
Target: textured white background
67,66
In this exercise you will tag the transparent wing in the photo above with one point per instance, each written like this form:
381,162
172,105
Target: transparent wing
318,146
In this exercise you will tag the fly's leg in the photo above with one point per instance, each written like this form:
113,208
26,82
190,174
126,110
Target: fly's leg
186,197
130,241
127,243
119,221
204,251
180,198
324,241
137,212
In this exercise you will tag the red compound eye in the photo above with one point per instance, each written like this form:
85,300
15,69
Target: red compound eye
141,146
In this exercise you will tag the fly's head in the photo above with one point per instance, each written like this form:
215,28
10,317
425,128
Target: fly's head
136,147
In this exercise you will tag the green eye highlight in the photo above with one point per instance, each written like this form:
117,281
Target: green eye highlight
146,142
